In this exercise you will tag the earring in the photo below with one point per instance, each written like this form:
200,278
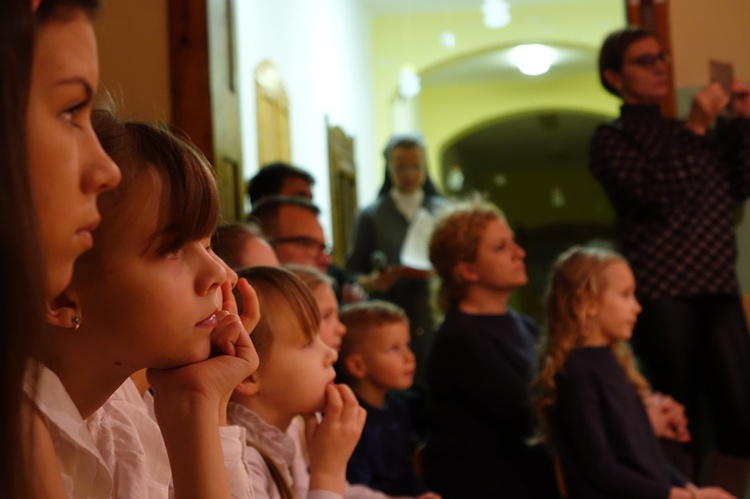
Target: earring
76,322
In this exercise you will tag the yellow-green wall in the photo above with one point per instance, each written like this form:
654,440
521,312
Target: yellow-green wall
413,40
448,112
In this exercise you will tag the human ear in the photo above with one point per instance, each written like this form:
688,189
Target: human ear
591,308
64,312
466,272
355,365
613,78
249,386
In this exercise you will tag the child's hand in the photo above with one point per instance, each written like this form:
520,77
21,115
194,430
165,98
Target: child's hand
713,493
250,308
331,442
667,417
233,359
430,495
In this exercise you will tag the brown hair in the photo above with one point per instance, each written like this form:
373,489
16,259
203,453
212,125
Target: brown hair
228,241
282,297
578,278
189,201
22,284
455,240
56,10
266,212
612,52
360,320
312,277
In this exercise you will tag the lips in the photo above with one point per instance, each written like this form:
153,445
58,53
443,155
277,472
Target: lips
85,234
209,322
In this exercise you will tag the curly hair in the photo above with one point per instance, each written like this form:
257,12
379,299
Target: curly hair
577,279
455,240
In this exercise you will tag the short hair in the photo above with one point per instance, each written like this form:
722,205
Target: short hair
282,296
266,213
270,179
455,239
190,199
50,10
361,319
228,240
612,52
311,276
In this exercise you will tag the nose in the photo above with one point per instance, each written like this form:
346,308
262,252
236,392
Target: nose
231,274
519,250
324,260
100,172
410,357
340,328
212,274
331,356
638,307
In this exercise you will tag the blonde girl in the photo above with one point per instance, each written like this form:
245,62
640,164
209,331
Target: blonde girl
149,295
295,377
588,394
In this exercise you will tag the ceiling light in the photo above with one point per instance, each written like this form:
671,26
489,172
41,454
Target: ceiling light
534,59
409,84
496,13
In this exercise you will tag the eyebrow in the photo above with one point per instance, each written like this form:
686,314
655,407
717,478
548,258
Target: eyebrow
78,80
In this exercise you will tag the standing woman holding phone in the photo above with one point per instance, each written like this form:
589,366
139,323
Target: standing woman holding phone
673,185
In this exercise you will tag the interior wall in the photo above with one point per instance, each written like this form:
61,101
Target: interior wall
323,51
414,40
133,41
448,112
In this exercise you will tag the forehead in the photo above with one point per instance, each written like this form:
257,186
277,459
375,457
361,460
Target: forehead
496,229
648,45
256,252
296,186
407,155
65,49
298,221
618,273
391,331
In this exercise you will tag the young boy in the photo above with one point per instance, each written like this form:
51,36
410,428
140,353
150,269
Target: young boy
375,359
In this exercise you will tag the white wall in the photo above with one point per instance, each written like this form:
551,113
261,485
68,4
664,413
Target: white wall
322,50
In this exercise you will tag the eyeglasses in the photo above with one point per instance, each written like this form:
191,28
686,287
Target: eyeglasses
648,61
313,247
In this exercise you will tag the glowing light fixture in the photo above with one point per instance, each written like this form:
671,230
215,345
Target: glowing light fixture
533,60
409,84
496,13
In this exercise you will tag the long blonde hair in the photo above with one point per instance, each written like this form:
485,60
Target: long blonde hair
577,279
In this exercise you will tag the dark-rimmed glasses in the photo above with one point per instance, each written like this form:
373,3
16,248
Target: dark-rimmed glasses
313,247
648,61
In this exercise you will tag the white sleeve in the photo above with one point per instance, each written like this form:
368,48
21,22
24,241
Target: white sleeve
238,474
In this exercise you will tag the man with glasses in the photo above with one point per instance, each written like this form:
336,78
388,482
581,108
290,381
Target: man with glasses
293,230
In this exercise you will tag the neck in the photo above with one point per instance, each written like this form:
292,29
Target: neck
370,393
269,414
481,300
75,358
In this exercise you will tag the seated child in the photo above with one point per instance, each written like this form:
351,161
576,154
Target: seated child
150,294
295,377
375,360
588,394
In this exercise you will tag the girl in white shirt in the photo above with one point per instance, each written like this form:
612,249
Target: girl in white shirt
151,294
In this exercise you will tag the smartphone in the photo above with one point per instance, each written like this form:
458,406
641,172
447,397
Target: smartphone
722,73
